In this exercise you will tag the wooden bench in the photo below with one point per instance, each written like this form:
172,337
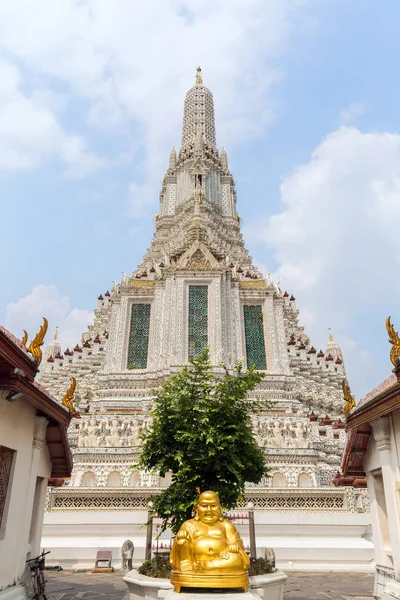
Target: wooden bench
103,556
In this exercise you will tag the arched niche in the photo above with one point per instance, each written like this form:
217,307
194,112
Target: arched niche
278,480
134,479
88,479
114,479
304,481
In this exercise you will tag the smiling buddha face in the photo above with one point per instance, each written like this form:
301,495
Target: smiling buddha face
208,509
207,550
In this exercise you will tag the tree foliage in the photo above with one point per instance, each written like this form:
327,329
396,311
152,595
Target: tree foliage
202,432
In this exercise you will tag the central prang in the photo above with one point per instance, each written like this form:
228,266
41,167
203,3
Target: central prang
208,551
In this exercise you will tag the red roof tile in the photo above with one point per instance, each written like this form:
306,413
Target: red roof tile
15,340
384,385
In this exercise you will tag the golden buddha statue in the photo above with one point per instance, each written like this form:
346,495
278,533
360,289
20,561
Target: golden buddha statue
207,551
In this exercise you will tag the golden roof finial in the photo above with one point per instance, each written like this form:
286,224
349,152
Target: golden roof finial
34,346
199,78
330,335
24,338
395,341
349,398
56,334
67,401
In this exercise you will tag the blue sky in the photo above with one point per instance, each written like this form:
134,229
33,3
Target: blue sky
306,96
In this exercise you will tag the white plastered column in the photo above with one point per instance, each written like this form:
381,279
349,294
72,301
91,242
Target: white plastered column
281,355
110,364
381,428
39,444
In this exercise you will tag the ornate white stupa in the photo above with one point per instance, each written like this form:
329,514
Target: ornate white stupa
197,286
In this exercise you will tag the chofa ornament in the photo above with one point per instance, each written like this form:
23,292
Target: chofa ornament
207,551
395,341
67,401
348,397
35,345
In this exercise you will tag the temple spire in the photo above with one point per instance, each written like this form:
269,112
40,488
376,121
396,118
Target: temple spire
198,115
333,348
224,159
172,160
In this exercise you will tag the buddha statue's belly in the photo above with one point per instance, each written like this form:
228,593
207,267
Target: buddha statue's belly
209,547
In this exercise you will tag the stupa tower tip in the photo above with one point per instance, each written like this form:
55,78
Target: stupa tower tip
198,114
199,77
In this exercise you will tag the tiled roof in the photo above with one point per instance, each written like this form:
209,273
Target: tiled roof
44,391
382,387
15,340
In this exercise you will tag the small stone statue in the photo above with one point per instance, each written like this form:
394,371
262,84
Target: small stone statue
270,557
127,555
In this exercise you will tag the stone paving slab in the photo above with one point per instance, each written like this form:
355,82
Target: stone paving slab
67,585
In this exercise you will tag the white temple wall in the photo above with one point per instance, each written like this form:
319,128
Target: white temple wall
180,316
155,324
227,200
227,321
282,358
157,334
382,468
184,187
112,346
215,333
24,433
302,541
169,203
168,324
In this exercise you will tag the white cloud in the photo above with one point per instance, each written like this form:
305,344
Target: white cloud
350,114
336,242
46,301
30,132
135,61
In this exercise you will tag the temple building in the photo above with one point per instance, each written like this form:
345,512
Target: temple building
371,459
34,454
197,286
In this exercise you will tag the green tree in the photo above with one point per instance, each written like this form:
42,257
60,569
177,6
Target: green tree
202,432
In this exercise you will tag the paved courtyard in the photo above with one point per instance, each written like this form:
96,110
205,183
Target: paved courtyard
67,585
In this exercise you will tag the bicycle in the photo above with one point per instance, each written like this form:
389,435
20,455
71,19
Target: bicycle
37,574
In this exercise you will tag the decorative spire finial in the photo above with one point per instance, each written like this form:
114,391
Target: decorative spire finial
330,335
349,398
56,333
199,78
395,341
172,159
224,159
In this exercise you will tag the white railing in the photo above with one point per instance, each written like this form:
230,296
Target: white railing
383,575
344,499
